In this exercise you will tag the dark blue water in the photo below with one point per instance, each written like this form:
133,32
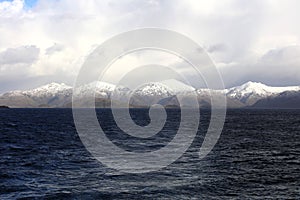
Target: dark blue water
257,157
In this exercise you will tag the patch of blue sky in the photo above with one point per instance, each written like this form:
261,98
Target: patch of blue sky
28,3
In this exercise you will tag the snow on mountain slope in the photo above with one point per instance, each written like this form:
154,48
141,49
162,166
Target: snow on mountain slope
102,90
251,92
50,95
150,93
49,90
154,89
46,90
164,88
58,95
258,88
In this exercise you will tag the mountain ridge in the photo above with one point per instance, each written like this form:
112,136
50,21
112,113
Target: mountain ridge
55,95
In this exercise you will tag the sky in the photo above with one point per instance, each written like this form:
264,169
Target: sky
43,41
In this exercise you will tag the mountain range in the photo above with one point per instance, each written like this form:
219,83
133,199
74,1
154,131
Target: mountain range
59,95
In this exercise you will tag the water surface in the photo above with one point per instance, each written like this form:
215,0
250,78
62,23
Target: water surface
257,157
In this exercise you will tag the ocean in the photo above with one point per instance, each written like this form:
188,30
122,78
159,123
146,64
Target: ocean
256,157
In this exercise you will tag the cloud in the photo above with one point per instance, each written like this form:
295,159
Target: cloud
279,67
244,38
15,65
217,48
19,55
11,8
53,49
286,56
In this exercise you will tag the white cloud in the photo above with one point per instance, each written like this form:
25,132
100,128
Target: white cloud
238,33
54,49
10,9
19,55
278,67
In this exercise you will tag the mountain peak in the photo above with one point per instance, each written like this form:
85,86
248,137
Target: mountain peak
248,88
154,89
59,94
251,84
250,92
53,87
49,90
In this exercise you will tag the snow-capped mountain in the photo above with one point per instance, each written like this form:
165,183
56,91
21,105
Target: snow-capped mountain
50,95
43,91
60,95
154,89
102,92
284,100
250,92
150,93
100,89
